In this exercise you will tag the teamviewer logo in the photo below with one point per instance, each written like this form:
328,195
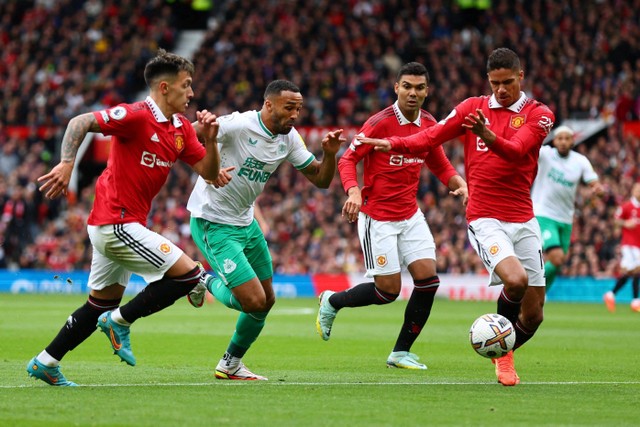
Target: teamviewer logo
148,159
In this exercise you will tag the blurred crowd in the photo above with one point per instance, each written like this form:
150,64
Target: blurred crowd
65,57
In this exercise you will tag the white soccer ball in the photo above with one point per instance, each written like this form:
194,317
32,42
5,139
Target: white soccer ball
492,335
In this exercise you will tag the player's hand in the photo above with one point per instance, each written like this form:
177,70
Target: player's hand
56,182
378,144
332,141
208,125
463,192
476,123
224,177
351,207
597,189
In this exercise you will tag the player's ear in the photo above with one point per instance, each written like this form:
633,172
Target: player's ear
163,86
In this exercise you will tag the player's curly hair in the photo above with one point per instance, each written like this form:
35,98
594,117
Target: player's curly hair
503,58
166,64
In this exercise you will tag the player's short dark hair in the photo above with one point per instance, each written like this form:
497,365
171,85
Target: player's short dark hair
413,69
278,86
503,58
166,64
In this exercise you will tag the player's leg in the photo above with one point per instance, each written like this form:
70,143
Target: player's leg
555,243
492,240
630,259
416,247
249,325
241,259
170,273
378,240
635,302
107,282
529,252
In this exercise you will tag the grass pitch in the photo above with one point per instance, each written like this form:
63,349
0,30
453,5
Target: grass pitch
580,369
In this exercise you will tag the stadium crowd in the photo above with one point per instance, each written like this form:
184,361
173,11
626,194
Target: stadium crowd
60,58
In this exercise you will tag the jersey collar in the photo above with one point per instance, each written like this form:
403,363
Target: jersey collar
264,128
635,202
401,118
158,115
515,107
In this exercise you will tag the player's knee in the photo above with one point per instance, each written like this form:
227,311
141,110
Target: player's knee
556,258
257,304
515,285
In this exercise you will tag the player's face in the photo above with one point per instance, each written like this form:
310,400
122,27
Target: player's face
285,109
411,91
563,142
505,85
635,191
179,92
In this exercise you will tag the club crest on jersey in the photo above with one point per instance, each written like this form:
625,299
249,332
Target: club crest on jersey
381,260
118,113
395,160
228,266
282,148
165,248
179,141
517,121
494,249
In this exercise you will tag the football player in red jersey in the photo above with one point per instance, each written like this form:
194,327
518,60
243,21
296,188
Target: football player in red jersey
628,218
148,137
393,231
502,136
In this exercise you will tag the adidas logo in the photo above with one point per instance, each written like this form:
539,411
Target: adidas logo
155,138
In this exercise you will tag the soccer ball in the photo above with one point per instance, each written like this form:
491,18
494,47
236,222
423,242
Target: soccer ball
492,335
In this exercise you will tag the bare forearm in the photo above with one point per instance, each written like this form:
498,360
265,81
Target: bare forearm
321,173
75,133
209,167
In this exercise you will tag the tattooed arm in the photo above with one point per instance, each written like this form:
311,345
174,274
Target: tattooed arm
57,180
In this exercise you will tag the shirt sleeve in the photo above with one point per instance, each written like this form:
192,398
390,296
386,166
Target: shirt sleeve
299,156
440,165
118,121
194,151
443,131
347,165
528,136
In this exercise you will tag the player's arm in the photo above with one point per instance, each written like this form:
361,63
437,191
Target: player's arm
596,188
528,136
209,166
262,222
439,164
347,168
434,136
458,187
321,173
57,180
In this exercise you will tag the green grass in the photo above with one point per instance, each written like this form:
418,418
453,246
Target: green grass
582,368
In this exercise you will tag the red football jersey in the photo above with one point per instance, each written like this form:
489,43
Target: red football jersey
144,147
630,210
499,177
391,179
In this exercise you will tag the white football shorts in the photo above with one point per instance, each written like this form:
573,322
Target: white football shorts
122,249
389,245
630,257
495,240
